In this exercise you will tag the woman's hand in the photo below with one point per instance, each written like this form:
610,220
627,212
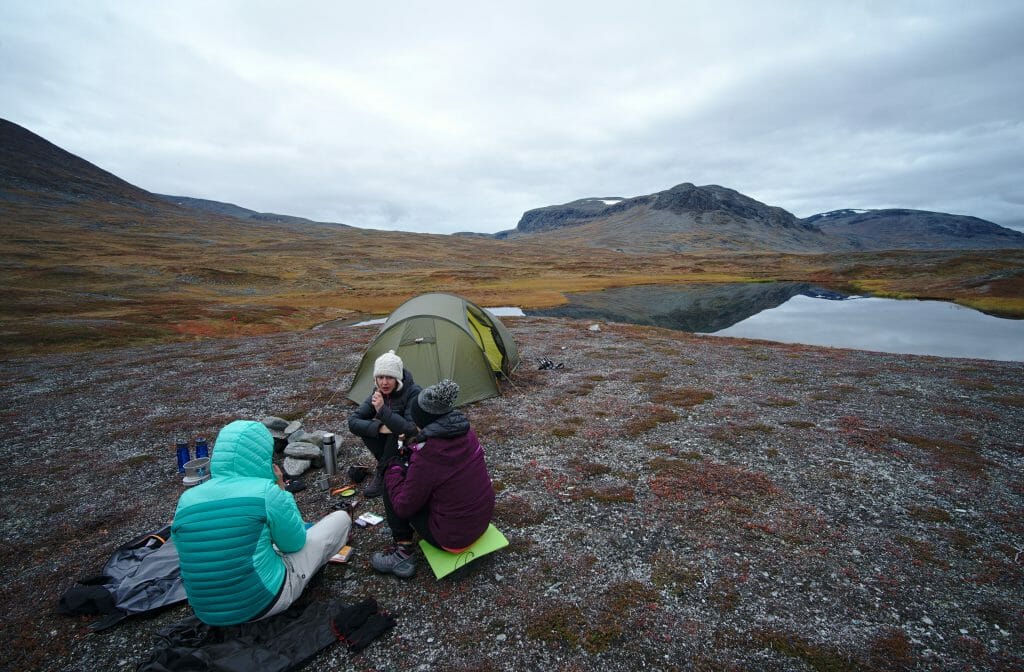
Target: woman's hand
279,476
377,400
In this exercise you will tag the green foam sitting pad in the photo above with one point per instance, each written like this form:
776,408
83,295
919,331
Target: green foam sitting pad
444,563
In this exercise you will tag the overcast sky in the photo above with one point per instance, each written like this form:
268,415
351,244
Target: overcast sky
459,116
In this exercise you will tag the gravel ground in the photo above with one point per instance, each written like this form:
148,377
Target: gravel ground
672,502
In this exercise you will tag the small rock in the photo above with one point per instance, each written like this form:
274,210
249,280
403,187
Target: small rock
272,422
927,621
501,638
303,450
317,437
301,435
293,466
595,327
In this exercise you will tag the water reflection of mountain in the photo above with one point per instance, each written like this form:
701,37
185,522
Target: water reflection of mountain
691,307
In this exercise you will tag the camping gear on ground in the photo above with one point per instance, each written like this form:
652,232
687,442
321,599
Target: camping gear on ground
444,563
442,336
280,643
196,471
361,623
202,449
344,490
183,454
140,576
342,556
330,456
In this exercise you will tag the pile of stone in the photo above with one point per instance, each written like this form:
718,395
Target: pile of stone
302,449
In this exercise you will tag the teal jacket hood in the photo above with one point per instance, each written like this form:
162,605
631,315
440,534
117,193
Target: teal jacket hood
243,448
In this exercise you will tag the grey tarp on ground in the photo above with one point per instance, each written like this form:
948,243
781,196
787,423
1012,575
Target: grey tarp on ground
284,642
140,576
145,580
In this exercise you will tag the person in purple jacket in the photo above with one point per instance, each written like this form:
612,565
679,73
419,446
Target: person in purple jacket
444,492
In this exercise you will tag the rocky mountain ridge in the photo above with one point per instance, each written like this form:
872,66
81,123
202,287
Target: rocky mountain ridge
683,219
687,218
913,229
679,200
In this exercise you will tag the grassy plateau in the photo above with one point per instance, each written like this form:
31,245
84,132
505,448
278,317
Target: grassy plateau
83,275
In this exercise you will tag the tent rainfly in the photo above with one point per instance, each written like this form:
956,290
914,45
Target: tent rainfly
441,336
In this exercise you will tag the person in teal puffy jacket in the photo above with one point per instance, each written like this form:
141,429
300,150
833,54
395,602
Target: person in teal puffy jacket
226,530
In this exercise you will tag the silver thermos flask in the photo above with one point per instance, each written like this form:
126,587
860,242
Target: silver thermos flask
330,456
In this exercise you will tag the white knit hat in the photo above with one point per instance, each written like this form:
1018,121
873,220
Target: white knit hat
389,364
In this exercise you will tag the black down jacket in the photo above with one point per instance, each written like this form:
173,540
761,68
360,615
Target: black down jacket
395,413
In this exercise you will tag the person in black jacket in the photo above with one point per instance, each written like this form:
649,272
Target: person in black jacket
385,416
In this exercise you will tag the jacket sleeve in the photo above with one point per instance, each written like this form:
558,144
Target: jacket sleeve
414,391
287,530
363,421
409,489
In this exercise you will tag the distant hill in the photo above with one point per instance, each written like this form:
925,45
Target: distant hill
203,205
914,230
684,218
37,171
212,207
688,218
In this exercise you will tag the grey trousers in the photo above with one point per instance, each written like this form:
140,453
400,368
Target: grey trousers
323,540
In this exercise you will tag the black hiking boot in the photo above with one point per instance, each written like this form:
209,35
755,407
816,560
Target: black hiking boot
375,488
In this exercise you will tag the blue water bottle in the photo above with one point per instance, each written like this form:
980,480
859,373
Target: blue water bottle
183,455
201,448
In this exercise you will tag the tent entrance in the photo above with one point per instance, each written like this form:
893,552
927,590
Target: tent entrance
485,339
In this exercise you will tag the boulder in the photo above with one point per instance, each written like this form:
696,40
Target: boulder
294,467
303,451
302,436
274,423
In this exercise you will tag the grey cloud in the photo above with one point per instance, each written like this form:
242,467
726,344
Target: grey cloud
444,118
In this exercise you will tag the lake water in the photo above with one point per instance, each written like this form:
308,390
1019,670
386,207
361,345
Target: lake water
497,311
802,313
886,325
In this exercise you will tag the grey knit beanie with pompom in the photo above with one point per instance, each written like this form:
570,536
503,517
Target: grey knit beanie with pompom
440,397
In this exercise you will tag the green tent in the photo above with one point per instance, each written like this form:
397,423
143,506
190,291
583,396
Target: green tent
443,336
